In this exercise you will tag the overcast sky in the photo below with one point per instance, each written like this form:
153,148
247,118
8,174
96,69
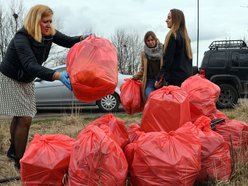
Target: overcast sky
219,19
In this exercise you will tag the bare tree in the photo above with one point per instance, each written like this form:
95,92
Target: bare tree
128,47
10,21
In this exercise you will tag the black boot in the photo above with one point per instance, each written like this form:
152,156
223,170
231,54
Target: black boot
11,152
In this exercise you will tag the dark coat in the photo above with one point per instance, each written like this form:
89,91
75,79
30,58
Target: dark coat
24,56
177,66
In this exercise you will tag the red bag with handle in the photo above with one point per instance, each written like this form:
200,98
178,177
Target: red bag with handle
134,132
216,157
203,95
235,132
113,127
96,159
130,96
93,68
46,160
166,109
160,158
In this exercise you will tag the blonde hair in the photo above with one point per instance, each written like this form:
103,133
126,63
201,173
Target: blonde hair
178,23
33,19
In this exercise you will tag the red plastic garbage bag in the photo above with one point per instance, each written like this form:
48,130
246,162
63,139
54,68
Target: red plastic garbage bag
131,98
218,115
160,158
166,109
216,157
96,159
93,68
203,95
134,132
113,127
234,131
46,160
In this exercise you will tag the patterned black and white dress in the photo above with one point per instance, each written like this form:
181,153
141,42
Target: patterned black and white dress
16,98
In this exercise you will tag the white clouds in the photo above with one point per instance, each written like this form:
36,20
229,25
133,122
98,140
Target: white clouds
218,19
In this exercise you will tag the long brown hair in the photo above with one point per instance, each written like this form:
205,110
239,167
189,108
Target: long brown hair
152,34
33,19
178,23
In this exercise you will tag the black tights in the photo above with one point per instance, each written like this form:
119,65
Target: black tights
19,130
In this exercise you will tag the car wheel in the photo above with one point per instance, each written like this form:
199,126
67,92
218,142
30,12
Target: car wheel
228,97
109,103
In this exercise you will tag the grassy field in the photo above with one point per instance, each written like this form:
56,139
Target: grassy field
71,125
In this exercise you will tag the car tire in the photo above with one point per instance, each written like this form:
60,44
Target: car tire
109,103
228,97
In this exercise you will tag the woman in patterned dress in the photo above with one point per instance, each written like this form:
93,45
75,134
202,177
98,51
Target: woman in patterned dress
22,63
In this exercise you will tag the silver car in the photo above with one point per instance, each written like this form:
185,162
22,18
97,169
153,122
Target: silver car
54,95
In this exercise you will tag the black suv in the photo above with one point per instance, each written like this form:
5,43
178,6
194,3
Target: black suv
226,64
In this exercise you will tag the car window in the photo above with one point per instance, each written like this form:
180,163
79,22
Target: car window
243,59
61,69
217,59
240,59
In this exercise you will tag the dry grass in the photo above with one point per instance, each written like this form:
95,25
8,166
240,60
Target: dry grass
6,166
71,125
239,113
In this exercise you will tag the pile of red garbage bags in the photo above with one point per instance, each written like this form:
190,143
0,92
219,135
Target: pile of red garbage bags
95,157
174,144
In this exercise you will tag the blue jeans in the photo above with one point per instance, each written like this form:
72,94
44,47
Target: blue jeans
149,87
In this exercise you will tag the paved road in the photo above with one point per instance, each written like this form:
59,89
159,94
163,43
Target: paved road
92,111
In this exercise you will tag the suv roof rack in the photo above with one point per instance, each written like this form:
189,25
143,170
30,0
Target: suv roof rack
224,44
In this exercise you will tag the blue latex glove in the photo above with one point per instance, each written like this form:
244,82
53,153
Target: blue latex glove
64,78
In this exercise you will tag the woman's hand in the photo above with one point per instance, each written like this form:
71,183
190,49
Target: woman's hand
134,78
84,36
158,84
64,78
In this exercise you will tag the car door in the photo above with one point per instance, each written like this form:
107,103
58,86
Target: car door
52,93
239,65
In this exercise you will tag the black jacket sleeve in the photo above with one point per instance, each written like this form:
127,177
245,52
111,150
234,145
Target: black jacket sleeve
28,60
168,57
64,40
24,56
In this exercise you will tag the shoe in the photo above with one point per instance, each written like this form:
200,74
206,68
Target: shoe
11,152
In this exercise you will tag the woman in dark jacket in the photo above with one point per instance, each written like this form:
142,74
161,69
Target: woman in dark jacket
21,65
177,51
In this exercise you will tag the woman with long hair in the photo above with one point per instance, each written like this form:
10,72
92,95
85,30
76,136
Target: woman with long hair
177,51
151,63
